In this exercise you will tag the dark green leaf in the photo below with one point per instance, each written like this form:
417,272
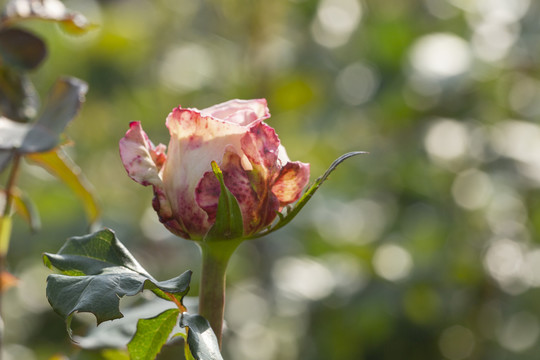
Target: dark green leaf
152,334
229,224
19,100
50,10
59,164
284,220
201,339
97,270
63,103
21,49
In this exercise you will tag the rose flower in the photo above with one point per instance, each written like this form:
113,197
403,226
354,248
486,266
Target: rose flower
255,166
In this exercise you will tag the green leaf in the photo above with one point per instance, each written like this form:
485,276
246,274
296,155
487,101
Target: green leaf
201,339
21,49
63,104
19,100
284,220
97,270
49,10
152,334
59,164
118,333
115,354
229,224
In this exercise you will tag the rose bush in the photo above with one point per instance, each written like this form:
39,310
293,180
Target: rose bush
255,166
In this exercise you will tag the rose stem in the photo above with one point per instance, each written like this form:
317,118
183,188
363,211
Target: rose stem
215,258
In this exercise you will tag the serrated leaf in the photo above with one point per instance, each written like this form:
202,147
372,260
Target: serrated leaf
49,10
201,339
19,100
60,165
284,220
152,334
229,224
21,49
97,270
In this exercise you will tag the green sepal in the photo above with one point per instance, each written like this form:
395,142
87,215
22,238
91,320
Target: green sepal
293,211
229,224
96,271
152,334
201,340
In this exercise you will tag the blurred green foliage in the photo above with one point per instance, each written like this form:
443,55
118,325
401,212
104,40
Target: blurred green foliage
425,249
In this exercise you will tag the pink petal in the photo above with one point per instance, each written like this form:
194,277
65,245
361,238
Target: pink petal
257,211
241,112
207,194
261,146
142,160
292,179
195,142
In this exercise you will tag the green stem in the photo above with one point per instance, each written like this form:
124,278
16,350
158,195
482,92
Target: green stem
215,258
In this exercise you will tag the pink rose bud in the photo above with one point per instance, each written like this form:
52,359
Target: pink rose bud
256,168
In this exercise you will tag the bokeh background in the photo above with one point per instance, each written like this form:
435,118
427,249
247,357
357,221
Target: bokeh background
427,248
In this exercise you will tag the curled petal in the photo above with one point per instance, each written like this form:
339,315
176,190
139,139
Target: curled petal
142,160
240,112
261,146
290,182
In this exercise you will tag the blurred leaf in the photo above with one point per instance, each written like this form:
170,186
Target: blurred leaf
285,219
115,354
201,339
59,164
152,334
6,281
19,100
12,133
24,207
63,103
21,49
229,223
97,270
5,233
5,156
50,10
